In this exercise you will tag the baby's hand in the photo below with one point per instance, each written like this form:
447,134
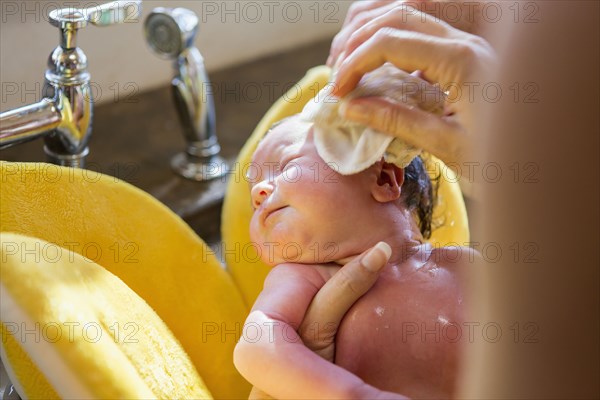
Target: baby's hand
334,299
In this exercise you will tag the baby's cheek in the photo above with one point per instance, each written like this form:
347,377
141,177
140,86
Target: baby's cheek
298,189
255,233
326,175
312,182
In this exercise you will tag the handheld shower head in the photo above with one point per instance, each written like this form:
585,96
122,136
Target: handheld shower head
170,32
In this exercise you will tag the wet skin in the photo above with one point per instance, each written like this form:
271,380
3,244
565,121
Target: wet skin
400,335
404,335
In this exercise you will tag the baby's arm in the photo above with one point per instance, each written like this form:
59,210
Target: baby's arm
272,356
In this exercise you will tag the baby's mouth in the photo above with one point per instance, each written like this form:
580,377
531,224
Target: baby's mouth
267,212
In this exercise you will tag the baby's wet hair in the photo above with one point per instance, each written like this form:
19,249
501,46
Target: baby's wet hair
419,193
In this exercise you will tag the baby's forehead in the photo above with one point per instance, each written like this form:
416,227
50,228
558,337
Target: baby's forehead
287,135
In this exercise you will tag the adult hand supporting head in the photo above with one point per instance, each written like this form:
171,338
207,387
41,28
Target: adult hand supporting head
414,41
334,299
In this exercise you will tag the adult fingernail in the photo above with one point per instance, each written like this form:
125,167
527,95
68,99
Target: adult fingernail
373,261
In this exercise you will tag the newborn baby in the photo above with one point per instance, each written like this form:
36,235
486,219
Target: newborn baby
308,221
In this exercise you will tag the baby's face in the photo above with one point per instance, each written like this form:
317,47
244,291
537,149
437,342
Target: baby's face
304,211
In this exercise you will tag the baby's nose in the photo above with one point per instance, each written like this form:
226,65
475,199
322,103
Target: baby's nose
260,192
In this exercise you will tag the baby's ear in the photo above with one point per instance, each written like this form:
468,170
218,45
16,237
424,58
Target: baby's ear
390,178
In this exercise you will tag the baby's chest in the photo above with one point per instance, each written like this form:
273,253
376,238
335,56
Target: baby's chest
393,302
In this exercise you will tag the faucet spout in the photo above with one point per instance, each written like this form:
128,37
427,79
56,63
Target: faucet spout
63,119
27,123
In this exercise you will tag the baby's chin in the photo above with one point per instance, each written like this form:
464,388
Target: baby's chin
283,245
277,249
274,253
272,260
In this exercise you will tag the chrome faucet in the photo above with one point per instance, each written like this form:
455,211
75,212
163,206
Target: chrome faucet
170,32
64,115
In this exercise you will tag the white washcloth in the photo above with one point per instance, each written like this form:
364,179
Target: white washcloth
351,147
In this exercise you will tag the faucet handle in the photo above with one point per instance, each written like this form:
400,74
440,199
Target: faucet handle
115,12
69,20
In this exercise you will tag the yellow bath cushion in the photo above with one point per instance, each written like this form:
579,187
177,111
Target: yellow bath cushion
87,332
144,244
25,375
248,272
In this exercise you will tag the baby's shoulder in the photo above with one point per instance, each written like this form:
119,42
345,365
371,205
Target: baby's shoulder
455,256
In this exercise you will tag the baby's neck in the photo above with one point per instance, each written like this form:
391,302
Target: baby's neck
402,236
